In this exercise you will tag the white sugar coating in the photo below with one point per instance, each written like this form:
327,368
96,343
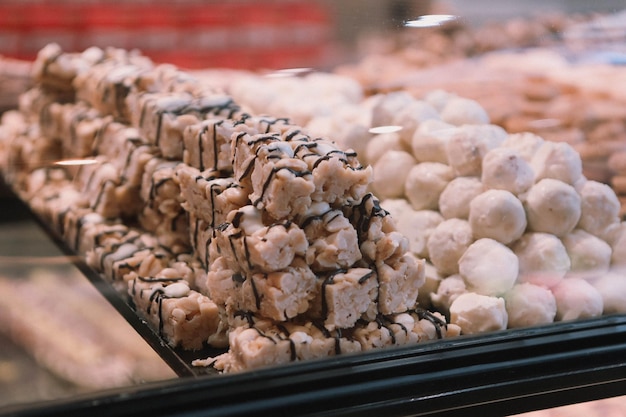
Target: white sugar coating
505,169
587,252
497,214
476,313
251,219
529,305
379,144
424,184
612,288
543,259
447,243
557,160
386,106
449,289
411,116
176,290
454,200
552,206
439,98
469,144
397,207
460,111
432,279
618,245
600,207
390,173
577,299
417,226
353,136
525,143
489,267
429,141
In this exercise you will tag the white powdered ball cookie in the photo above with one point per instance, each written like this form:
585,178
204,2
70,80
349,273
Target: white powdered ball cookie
387,106
439,98
612,288
577,299
529,305
464,111
432,279
543,259
505,169
476,313
378,145
552,206
424,184
449,290
488,267
429,141
557,160
390,173
497,214
618,245
397,207
469,144
525,143
455,199
600,207
416,225
411,116
351,135
587,252
447,243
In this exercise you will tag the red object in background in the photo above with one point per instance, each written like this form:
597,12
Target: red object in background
192,34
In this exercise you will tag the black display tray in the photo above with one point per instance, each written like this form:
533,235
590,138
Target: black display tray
494,374
491,375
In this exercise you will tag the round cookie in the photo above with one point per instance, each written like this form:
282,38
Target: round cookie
612,288
416,225
447,243
460,111
577,299
600,207
557,160
529,305
505,169
449,289
390,172
466,148
552,206
455,199
424,184
488,267
381,143
476,313
429,141
543,259
587,252
411,116
497,214
525,143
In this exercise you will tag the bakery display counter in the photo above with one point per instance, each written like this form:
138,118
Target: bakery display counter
434,225
495,374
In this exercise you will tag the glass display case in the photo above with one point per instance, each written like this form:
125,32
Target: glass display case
98,331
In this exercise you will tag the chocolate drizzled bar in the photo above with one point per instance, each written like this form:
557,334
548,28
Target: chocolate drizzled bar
182,316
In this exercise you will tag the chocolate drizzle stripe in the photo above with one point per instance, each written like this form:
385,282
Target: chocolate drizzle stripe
153,279
266,184
201,147
257,297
